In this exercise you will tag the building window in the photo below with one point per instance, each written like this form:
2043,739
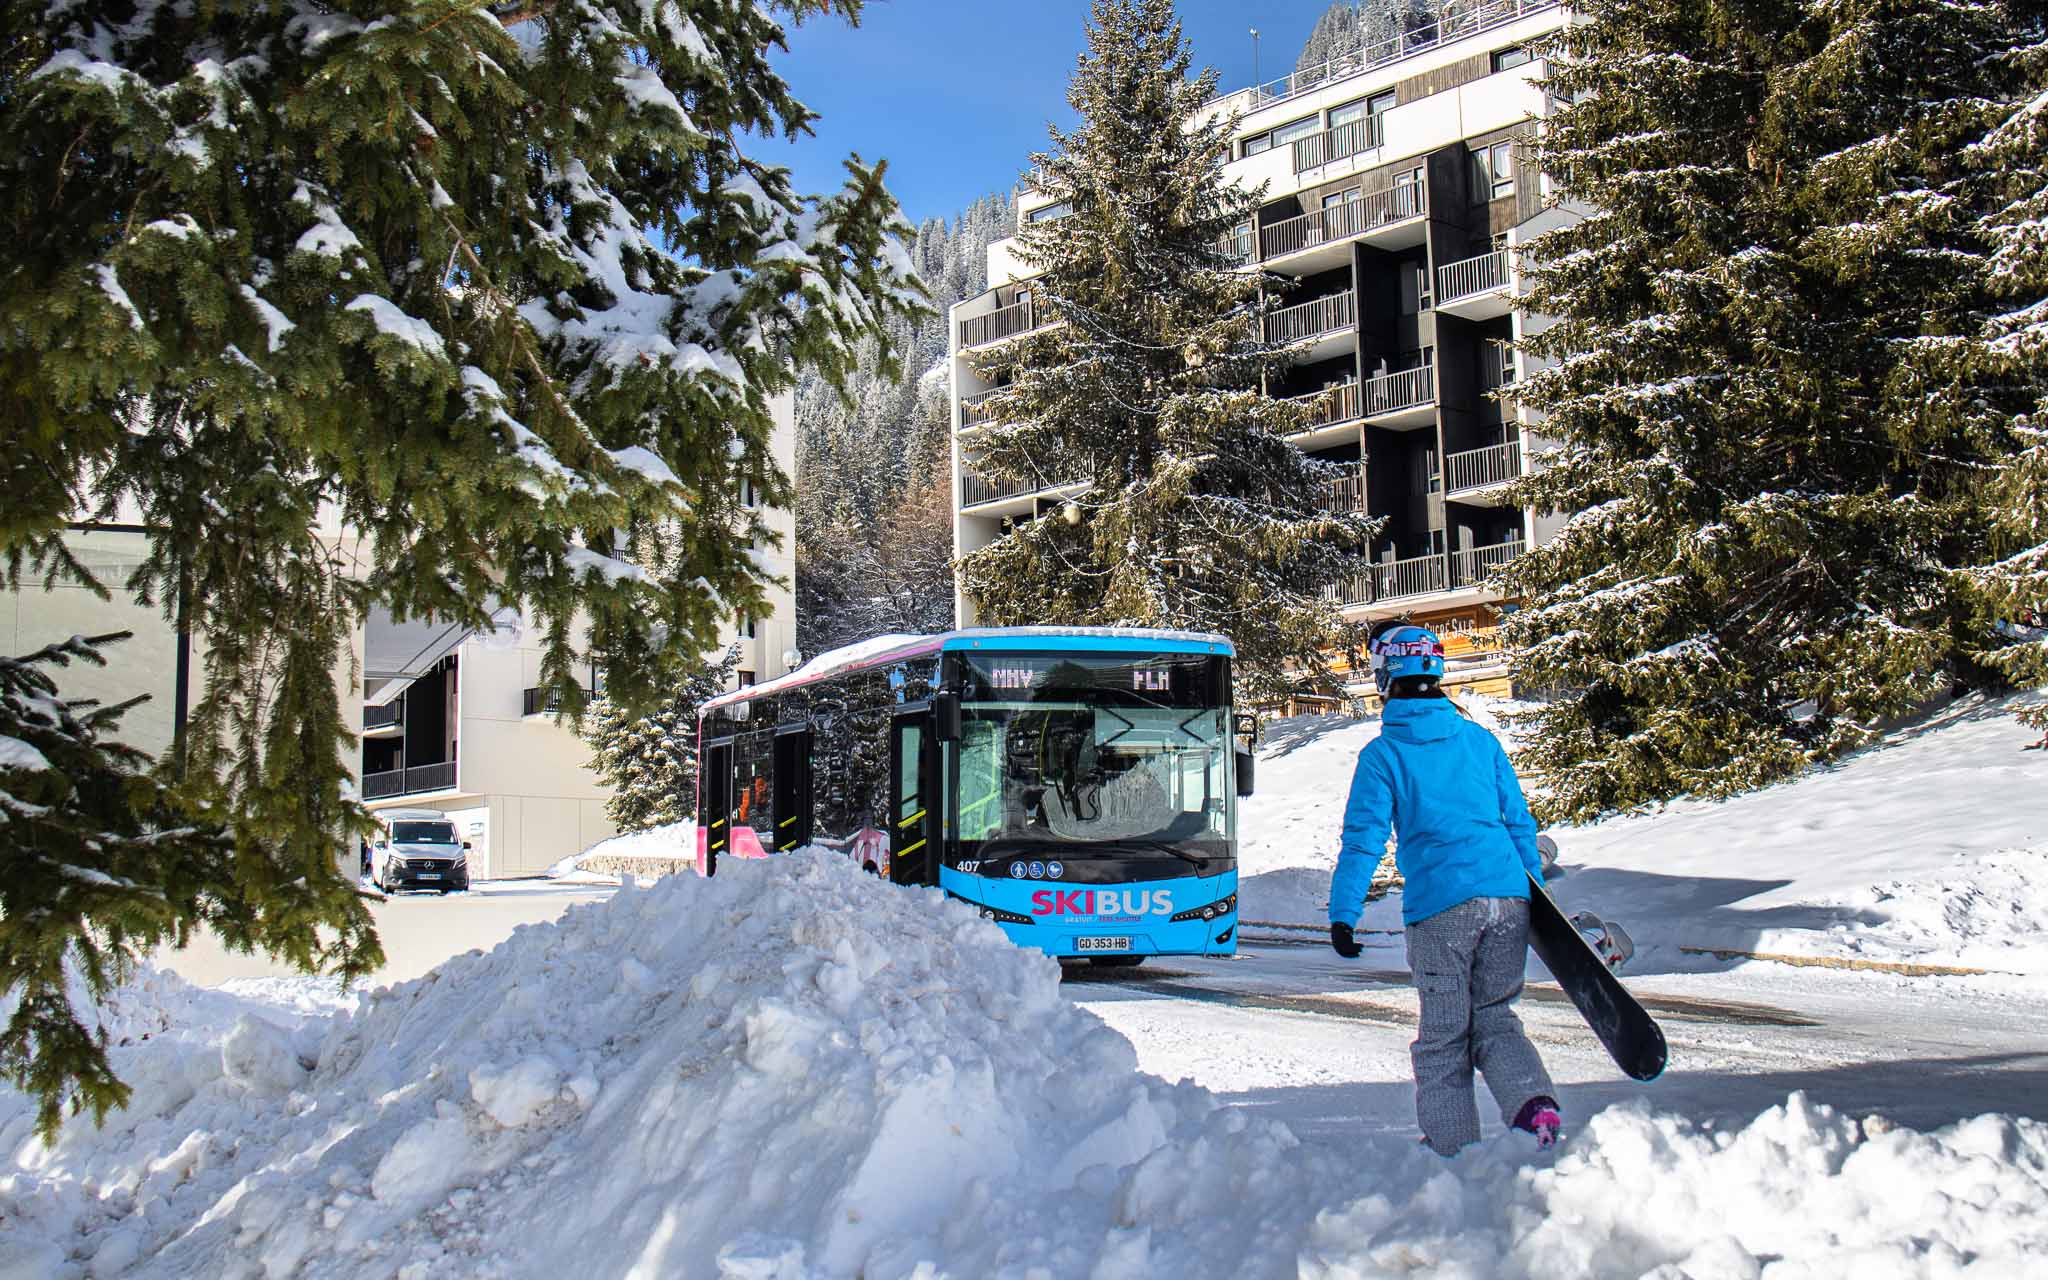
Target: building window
1407,194
1508,59
747,628
1493,172
1415,291
745,679
750,497
1050,212
1499,365
1281,136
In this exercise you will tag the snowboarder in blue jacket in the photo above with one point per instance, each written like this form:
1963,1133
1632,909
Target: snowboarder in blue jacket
1467,847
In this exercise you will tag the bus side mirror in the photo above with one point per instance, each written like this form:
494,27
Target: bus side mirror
946,717
1245,762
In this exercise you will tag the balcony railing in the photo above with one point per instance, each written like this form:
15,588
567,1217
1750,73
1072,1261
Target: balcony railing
1484,468
975,490
1356,589
1344,219
1452,26
1237,246
388,716
1330,406
1471,567
1345,494
1312,319
1393,392
1344,141
974,409
546,702
1486,272
409,782
1003,322
1415,576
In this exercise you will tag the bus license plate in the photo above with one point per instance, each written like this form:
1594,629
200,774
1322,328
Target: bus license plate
1102,944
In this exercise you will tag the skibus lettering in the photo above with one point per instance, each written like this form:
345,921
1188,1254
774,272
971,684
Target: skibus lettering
1101,902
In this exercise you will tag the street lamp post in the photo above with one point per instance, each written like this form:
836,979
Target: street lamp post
1255,62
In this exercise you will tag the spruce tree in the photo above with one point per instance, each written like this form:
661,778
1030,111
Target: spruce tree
99,864
1772,475
650,760
439,305
1200,515
2012,352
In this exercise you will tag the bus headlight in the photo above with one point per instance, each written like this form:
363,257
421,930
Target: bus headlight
1214,911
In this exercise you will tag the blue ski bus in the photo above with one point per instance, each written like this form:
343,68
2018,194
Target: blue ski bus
1076,785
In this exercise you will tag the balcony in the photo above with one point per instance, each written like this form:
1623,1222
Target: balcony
1330,407
1377,215
1477,476
1471,567
1406,398
1003,322
1237,246
1307,321
546,702
1415,576
974,410
385,721
417,780
1475,288
1450,27
976,491
1344,495
1340,143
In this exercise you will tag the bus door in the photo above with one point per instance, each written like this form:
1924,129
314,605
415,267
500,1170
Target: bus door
714,821
791,807
913,792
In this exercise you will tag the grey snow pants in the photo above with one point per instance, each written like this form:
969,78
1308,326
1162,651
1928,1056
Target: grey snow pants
1467,963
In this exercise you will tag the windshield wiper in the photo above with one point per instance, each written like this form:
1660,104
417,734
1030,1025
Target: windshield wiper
1161,846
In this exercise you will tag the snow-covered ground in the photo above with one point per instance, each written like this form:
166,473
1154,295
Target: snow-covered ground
1929,848
798,1071
821,1075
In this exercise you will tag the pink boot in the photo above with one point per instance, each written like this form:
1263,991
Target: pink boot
1539,1116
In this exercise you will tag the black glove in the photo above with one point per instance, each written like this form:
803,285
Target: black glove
1343,943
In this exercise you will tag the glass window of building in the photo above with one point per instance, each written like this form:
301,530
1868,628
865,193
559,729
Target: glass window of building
1507,59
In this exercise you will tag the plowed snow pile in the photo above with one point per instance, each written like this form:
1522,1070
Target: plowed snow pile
796,1071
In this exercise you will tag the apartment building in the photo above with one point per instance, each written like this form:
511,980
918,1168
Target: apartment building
451,719
1397,192
455,719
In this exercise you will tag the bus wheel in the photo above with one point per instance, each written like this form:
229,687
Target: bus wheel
1117,962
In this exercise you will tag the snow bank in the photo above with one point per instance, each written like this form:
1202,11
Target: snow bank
656,851
795,1070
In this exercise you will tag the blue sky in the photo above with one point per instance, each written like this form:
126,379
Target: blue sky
956,94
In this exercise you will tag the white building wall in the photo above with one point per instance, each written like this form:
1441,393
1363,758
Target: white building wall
527,780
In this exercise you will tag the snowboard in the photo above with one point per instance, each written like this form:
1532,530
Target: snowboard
1631,1035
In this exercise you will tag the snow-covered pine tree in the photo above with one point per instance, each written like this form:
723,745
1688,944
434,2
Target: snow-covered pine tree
491,300
2013,351
1347,27
1200,514
99,865
650,760
1770,485
876,461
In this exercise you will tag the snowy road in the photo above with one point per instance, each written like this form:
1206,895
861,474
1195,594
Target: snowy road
1323,1043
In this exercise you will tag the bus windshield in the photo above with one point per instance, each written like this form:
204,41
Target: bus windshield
1096,753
